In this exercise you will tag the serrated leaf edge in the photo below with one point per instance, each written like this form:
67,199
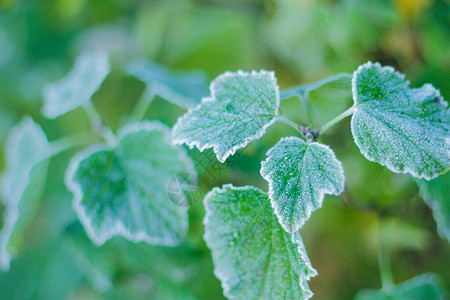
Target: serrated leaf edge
247,140
406,169
301,250
322,193
369,64
119,228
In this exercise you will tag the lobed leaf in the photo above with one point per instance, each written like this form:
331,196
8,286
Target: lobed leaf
436,195
124,191
77,88
324,99
423,287
185,89
21,184
299,175
241,107
404,129
253,256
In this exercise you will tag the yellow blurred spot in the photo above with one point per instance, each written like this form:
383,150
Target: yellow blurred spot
68,9
410,9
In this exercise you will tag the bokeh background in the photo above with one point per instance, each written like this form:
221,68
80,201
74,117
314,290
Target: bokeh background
303,41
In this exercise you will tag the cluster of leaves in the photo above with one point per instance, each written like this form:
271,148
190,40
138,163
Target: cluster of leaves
404,129
120,186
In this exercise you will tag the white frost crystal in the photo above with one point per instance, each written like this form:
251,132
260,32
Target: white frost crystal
404,129
253,256
299,175
78,86
241,107
124,191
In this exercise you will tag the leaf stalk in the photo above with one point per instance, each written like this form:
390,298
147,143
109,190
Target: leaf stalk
69,142
98,125
141,107
336,120
384,261
291,123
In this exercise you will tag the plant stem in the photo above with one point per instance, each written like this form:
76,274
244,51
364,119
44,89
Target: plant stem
336,120
98,126
68,142
305,101
290,123
384,261
141,107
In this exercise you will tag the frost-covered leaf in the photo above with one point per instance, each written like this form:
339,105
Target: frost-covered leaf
78,86
423,287
404,129
185,89
436,194
299,175
123,191
324,99
253,256
22,183
241,107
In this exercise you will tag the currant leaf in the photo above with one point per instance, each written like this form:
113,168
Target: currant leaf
185,89
241,107
22,184
124,191
404,129
423,287
324,99
253,256
299,175
77,88
436,193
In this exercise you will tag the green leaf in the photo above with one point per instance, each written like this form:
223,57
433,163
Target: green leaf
404,129
124,191
241,107
185,89
436,195
253,256
78,86
423,287
324,99
299,175
21,184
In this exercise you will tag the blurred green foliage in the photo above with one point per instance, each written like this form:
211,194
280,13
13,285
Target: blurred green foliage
302,41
